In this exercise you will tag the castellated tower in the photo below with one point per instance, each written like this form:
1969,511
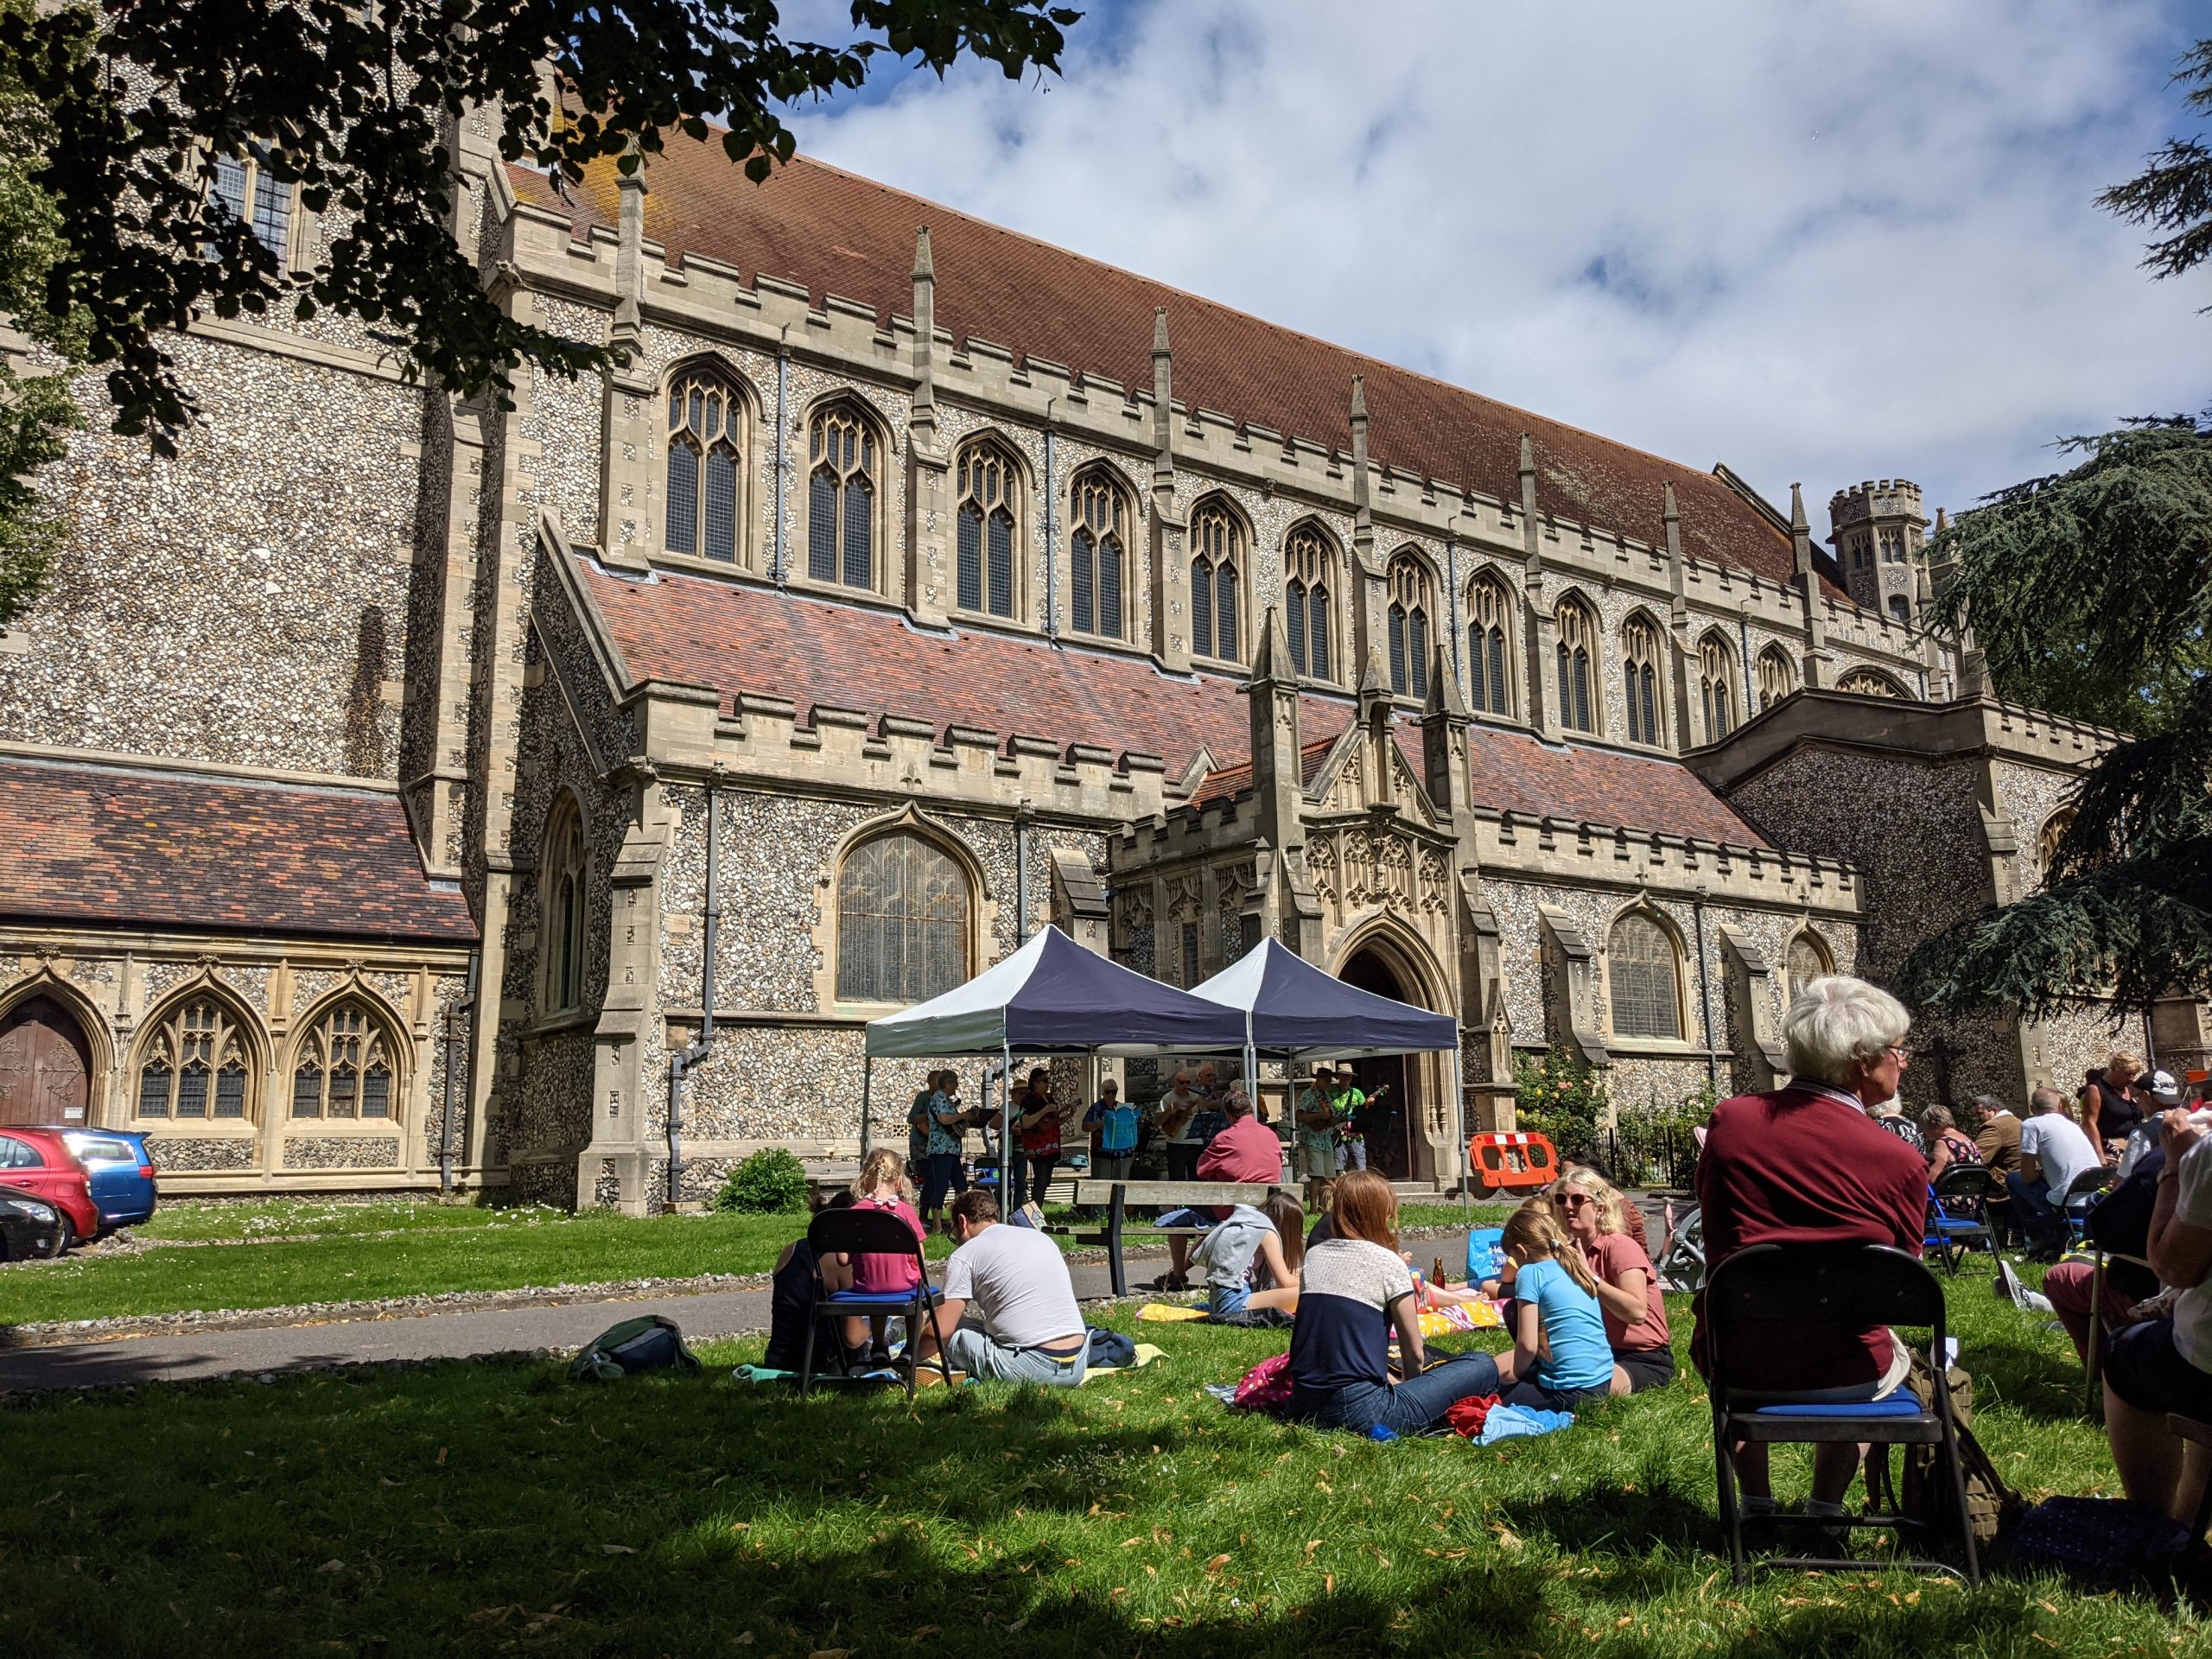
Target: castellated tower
1875,531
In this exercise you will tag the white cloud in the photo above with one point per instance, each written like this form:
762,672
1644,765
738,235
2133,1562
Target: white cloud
1818,243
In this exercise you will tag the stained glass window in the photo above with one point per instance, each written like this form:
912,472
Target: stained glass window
705,443
1646,980
989,483
195,1055
902,921
1578,634
1096,549
841,498
344,1069
1487,610
1218,547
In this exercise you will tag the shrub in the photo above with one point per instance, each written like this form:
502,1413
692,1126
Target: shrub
771,1182
1557,1096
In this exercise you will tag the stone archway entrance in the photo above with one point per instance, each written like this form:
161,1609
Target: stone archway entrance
1389,1136
44,1065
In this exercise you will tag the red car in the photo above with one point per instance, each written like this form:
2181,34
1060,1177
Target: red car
39,1161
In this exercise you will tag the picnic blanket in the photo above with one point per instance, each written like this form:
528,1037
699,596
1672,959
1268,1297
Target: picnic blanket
1172,1312
1455,1317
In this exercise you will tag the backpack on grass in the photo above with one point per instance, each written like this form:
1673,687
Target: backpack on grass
647,1344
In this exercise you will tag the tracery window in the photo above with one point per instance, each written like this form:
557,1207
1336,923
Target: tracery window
197,1064
1869,683
1309,564
1716,675
1098,555
1893,546
1640,678
2054,831
1409,623
1488,609
1578,638
344,1069
988,484
1777,676
1899,611
1805,961
243,190
841,487
561,900
902,920
1644,975
706,450
1216,559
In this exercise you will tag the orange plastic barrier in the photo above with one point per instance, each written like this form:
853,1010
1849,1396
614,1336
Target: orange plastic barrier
1512,1163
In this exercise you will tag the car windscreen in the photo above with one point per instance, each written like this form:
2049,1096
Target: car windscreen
94,1149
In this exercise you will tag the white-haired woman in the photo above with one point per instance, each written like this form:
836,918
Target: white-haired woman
1806,1165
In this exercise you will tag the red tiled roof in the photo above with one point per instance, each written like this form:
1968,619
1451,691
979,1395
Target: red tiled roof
1514,773
1230,782
834,232
117,845
737,637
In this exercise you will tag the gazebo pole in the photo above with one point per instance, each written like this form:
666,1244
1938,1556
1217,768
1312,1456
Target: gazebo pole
867,1082
1006,1129
1459,1086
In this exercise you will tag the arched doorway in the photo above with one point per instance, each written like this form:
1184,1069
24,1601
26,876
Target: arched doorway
45,1065
1389,1135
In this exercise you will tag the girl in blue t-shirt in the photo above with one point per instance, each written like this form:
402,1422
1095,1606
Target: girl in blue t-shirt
1560,1351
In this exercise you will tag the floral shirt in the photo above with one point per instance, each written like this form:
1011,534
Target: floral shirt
944,1139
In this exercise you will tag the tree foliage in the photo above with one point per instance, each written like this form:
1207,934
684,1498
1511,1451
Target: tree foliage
358,106
2173,193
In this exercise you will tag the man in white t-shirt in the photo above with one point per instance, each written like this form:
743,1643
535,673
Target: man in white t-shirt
1027,1328
2163,1365
2061,1151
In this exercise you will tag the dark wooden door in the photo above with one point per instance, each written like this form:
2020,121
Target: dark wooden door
45,1072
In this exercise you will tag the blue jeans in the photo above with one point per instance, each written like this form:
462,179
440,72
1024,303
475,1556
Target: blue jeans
948,1172
1411,1407
2035,1207
973,1351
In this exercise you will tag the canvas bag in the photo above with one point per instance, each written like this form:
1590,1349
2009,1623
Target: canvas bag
647,1344
1992,1507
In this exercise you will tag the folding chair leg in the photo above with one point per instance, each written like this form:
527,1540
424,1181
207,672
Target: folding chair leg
1958,1467
1732,1506
2092,1363
806,1362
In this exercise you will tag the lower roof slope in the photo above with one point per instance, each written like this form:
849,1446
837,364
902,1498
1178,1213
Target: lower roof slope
741,639
118,845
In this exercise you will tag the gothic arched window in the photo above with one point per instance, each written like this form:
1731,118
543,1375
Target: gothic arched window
1098,553
842,450
1645,974
1308,565
1410,608
1217,561
1777,676
1578,649
1716,678
1893,546
1640,679
902,920
705,467
1805,961
196,1063
989,487
1490,681
344,1069
561,911
1869,683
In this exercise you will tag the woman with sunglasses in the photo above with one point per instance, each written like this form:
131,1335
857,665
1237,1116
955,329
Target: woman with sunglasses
1628,1289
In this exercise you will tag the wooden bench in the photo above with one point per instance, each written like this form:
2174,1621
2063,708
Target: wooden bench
1117,1196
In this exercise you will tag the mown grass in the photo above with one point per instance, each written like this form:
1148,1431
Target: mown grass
494,1508
287,1251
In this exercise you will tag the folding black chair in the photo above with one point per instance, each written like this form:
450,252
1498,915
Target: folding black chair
1958,1216
1857,1287
869,1232
2081,1196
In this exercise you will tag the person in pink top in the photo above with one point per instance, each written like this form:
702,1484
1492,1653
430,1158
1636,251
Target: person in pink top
882,1185
1628,1289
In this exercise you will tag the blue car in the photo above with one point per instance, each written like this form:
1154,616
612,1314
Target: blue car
121,1170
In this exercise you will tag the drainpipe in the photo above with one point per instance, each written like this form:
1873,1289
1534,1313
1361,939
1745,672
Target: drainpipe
1744,649
1452,611
684,1058
782,460
455,1048
1051,573
1705,993
1021,875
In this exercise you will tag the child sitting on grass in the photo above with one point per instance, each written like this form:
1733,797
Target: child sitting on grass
1251,1261
1559,1352
882,1185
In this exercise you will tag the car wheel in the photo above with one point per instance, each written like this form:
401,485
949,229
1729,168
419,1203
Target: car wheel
65,1235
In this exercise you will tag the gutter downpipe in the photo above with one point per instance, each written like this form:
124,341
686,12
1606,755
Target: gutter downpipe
684,1058
783,446
1744,654
1705,996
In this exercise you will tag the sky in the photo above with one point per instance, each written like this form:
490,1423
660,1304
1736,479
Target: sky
1818,243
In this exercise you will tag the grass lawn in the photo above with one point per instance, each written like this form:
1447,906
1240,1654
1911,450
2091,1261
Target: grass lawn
291,1250
482,1509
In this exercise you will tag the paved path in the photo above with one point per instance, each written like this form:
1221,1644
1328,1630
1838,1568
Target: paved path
434,1336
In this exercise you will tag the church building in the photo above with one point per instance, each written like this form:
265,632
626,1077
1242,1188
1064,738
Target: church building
390,784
